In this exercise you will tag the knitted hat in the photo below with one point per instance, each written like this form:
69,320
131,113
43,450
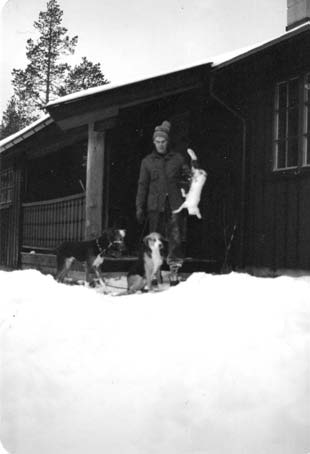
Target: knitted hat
162,130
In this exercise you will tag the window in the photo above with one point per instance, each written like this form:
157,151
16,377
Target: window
292,123
6,186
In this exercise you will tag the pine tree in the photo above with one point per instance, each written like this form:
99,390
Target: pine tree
83,76
14,118
47,74
44,75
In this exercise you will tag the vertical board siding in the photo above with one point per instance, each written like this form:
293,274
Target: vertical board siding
4,229
277,208
48,223
280,225
304,224
10,225
292,233
16,221
259,195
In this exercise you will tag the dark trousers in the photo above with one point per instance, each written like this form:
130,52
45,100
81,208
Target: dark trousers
172,227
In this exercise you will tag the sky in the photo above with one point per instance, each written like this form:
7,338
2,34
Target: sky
218,364
141,38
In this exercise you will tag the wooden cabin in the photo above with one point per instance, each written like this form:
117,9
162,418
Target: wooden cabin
75,172
271,96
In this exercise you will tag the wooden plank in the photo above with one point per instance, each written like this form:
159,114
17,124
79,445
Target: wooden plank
252,205
106,195
52,201
265,214
292,224
53,221
94,182
280,225
304,225
4,228
16,226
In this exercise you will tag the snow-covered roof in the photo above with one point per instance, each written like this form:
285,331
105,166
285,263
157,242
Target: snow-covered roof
213,60
25,132
217,62
231,57
108,87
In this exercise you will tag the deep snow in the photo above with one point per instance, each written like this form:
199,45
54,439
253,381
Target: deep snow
216,365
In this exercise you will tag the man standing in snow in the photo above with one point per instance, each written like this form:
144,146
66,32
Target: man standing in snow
162,174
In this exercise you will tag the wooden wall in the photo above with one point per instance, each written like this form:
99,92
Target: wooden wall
277,203
277,207
10,219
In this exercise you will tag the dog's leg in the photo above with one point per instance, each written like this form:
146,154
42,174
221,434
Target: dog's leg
60,267
67,262
100,278
148,276
159,276
59,273
96,264
135,283
93,263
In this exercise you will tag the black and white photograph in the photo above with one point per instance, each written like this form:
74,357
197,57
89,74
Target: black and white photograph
155,227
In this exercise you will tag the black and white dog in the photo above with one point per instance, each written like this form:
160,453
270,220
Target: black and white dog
110,243
148,266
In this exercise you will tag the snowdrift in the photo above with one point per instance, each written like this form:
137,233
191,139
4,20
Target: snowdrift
218,364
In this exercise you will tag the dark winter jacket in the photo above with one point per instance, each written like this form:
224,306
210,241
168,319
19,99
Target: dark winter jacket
161,176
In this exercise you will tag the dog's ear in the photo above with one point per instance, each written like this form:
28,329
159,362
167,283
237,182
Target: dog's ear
107,236
122,233
146,240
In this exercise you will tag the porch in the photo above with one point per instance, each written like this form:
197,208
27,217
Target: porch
48,223
98,147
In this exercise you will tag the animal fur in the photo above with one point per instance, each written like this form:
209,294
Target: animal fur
111,242
148,265
192,198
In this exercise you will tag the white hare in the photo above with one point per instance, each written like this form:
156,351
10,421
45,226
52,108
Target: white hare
192,198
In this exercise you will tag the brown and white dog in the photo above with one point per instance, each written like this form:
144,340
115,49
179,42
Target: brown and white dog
192,198
148,265
110,243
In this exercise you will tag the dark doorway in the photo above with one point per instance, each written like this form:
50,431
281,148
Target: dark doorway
131,141
58,174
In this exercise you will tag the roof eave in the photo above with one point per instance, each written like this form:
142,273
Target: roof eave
24,133
290,34
110,88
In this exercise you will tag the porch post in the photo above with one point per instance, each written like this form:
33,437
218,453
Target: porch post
94,182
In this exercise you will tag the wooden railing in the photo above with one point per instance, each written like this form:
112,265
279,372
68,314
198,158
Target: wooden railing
46,224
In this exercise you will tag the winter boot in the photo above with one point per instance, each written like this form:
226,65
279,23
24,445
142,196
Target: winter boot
173,277
155,283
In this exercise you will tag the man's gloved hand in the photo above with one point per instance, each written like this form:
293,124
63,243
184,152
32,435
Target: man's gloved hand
140,216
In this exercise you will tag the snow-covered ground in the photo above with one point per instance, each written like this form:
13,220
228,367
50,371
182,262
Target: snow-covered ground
216,365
